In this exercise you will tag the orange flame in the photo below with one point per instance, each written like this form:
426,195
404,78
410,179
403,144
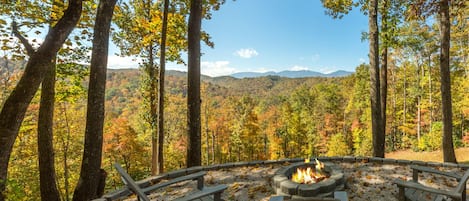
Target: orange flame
309,175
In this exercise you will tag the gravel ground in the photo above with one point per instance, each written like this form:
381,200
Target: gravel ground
364,181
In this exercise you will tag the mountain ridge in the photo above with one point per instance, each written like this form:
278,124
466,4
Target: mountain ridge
291,74
241,75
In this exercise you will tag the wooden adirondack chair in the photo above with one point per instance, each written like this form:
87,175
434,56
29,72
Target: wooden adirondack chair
203,193
413,190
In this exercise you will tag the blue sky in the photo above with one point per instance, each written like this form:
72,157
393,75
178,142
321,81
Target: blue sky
277,35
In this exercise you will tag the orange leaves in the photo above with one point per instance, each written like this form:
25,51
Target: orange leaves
121,140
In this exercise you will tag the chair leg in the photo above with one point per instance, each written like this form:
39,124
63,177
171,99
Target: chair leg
217,196
401,196
464,193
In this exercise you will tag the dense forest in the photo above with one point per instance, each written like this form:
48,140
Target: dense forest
240,119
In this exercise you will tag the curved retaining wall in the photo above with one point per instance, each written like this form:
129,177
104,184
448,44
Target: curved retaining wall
121,193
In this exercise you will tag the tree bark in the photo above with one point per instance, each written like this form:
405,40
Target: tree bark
16,104
90,172
377,127
153,109
153,97
161,89
448,149
384,66
193,97
384,87
47,176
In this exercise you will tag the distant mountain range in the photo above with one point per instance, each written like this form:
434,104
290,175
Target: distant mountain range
240,75
291,74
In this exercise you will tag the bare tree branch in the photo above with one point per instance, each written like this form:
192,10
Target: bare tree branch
29,48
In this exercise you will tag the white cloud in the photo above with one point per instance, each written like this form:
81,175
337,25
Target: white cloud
362,60
216,68
247,53
298,68
116,62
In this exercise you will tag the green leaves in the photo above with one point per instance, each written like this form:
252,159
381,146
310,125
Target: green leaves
338,8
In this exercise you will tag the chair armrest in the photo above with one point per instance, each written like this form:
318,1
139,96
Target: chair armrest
414,185
434,171
215,191
193,176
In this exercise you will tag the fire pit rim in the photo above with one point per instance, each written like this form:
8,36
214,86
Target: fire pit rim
284,185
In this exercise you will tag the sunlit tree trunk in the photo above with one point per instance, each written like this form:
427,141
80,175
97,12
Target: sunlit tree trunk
90,173
384,67
377,127
448,149
430,89
45,134
394,110
193,96
161,90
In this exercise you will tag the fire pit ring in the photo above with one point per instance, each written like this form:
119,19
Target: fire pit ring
283,184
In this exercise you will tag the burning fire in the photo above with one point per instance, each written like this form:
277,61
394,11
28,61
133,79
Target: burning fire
309,175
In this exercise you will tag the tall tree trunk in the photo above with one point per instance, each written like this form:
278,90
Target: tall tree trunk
384,87
404,118
152,70
394,109
153,96
430,89
16,104
448,149
419,101
90,173
193,97
47,176
376,124
161,89
207,150
384,65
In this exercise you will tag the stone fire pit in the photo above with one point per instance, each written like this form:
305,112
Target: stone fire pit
283,184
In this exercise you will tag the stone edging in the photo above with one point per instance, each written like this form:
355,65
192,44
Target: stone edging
118,194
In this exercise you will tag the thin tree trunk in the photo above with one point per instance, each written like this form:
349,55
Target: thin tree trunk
193,96
207,150
376,124
394,109
153,96
153,110
66,145
17,103
384,86
213,147
90,173
47,176
404,118
161,90
430,91
448,149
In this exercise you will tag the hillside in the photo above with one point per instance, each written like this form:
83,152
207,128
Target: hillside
257,87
